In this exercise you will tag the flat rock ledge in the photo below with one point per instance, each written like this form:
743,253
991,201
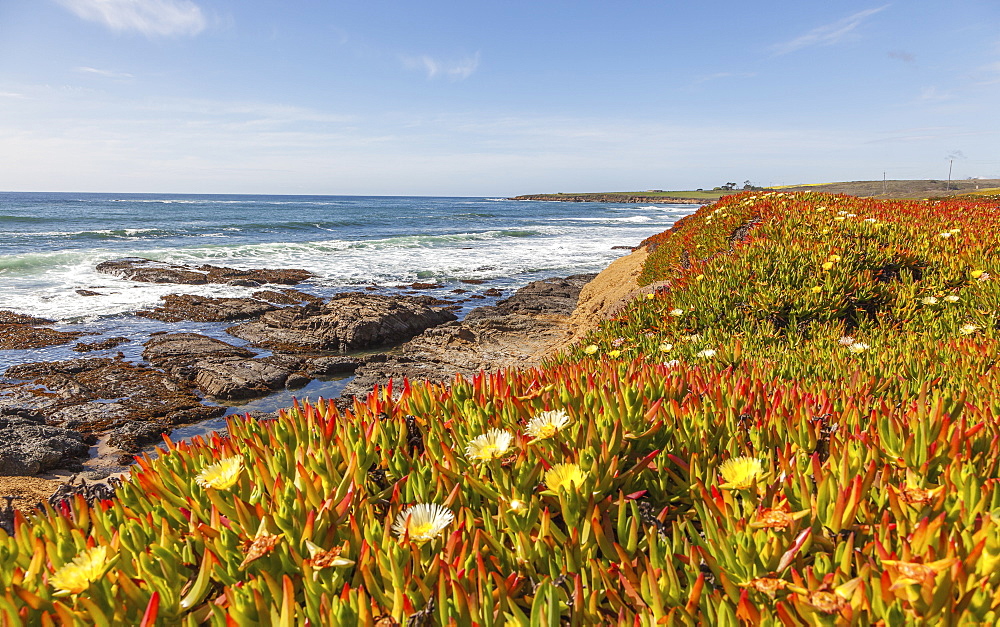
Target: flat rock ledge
347,322
178,307
151,271
20,332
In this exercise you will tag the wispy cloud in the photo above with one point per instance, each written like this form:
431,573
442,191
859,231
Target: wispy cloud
105,73
933,94
153,18
902,55
828,34
435,68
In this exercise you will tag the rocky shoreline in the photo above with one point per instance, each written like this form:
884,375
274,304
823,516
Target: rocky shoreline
52,413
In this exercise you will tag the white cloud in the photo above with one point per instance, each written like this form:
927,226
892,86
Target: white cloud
828,34
104,73
163,18
454,70
933,94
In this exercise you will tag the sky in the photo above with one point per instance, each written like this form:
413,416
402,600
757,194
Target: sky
473,98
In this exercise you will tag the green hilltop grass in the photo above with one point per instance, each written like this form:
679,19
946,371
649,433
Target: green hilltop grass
801,425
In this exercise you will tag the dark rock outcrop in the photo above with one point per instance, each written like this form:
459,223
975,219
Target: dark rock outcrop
111,342
347,322
177,307
218,369
514,333
19,332
98,395
288,296
150,271
28,446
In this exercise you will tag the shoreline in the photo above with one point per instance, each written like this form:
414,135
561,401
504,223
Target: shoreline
526,345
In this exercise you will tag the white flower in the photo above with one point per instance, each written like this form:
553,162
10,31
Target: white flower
707,353
968,329
673,363
846,340
676,312
951,298
422,522
929,300
858,347
546,424
491,445
945,235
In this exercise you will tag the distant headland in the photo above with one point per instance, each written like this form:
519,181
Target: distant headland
910,189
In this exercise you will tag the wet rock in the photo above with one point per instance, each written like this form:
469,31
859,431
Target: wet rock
111,342
28,447
177,307
177,350
332,365
296,380
93,395
347,322
150,271
238,379
20,332
88,293
12,317
514,333
287,296
218,369
132,435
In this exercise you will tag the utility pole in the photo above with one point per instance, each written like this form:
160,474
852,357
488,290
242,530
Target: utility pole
950,163
885,189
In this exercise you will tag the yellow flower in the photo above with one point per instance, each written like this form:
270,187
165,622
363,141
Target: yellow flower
827,265
975,274
740,472
664,347
951,298
650,296
968,329
929,300
816,289
615,354
546,424
590,350
86,568
834,258
422,522
491,445
221,475
563,476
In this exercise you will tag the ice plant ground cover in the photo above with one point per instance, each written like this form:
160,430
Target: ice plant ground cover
800,426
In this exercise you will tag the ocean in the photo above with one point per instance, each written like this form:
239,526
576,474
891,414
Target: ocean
50,244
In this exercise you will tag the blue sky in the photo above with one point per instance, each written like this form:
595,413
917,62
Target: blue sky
491,98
